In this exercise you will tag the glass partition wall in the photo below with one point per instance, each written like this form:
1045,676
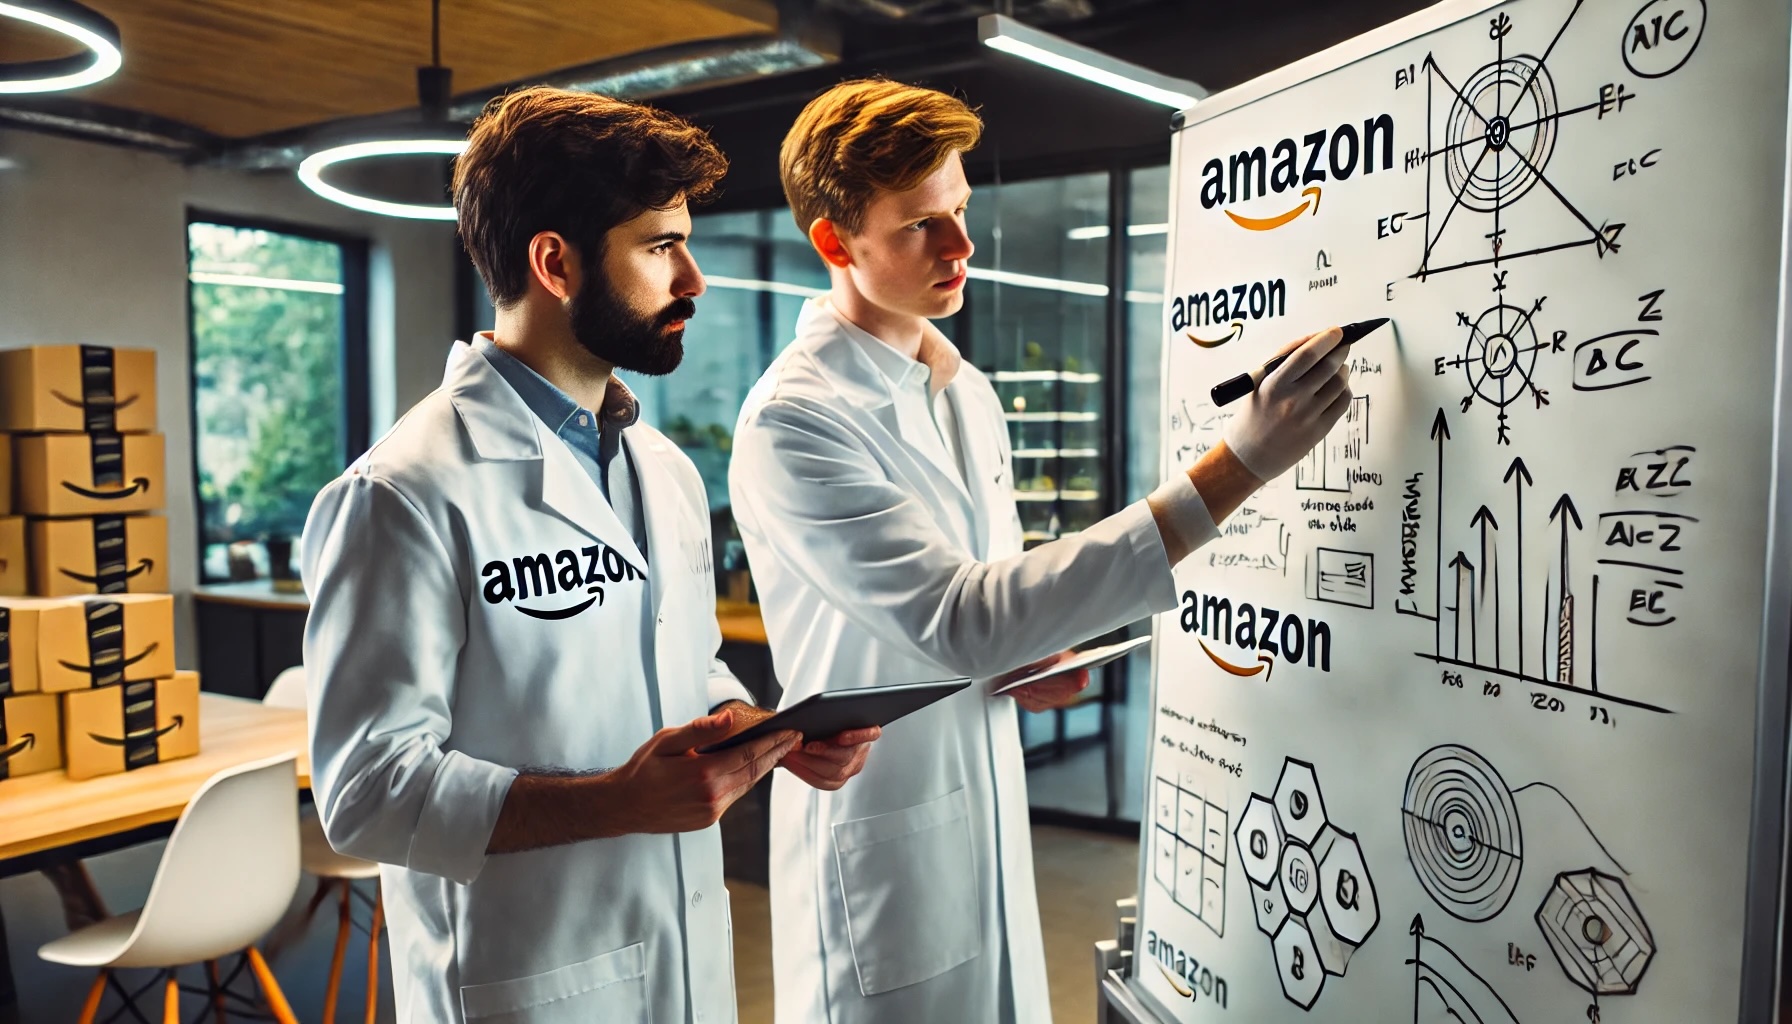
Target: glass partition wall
1065,318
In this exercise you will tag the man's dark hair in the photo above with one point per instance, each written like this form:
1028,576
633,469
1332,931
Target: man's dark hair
576,163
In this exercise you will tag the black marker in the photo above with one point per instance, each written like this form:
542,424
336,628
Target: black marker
1227,392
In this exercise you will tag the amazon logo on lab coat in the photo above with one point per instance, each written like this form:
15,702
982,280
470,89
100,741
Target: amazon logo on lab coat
539,576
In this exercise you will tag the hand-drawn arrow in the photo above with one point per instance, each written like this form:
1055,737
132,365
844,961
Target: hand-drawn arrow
1563,504
1440,432
1484,518
1518,475
1460,563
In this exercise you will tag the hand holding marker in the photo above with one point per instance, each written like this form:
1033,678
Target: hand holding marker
1291,402
1229,391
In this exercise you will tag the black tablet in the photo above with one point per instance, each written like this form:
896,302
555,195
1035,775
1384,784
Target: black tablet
837,711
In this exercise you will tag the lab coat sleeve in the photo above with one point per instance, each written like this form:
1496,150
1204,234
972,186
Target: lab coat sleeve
828,512
381,644
723,685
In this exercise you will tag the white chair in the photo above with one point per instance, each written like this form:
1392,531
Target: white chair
227,876
335,872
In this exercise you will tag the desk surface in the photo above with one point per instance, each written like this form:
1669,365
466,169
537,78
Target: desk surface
45,811
254,594
741,622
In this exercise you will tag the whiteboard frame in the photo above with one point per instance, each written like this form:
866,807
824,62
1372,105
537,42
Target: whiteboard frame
1764,920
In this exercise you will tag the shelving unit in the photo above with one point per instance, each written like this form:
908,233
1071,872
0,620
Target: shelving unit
1056,438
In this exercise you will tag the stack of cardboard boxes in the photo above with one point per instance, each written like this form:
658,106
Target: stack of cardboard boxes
87,677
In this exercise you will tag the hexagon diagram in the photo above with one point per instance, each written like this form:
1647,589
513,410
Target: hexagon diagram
1596,932
1310,887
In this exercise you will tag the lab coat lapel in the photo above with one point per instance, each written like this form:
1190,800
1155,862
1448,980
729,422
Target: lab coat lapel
985,470
671,552
504,429
867,387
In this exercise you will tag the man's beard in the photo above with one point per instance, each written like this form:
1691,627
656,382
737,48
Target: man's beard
620,335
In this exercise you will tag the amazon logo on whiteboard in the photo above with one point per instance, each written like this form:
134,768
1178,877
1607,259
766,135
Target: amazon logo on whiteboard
1264,188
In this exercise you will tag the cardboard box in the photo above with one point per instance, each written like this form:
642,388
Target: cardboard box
5,474
102,555
78,389
88,474
24,621
30,734
112,729
13,578
83,642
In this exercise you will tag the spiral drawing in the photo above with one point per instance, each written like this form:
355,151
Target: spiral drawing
1462,832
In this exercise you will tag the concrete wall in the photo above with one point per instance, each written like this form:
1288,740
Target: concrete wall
93,250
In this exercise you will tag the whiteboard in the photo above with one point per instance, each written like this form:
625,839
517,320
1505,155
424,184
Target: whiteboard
1461,719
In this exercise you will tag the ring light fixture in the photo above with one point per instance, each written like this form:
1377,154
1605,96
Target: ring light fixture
92,30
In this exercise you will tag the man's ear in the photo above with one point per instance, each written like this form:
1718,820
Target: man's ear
554,264
827,242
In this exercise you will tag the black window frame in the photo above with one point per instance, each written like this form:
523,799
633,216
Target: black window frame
356,395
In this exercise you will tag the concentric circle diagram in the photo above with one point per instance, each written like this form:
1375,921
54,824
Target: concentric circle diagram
1500,133
1501,354
1462,832
1499,360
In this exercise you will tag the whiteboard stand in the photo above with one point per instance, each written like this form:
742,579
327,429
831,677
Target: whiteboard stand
1115,1001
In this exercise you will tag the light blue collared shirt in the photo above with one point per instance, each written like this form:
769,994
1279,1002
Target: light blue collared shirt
595,440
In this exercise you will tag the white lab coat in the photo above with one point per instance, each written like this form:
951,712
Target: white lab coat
430,685
908,895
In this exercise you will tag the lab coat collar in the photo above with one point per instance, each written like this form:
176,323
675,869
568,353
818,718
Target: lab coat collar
499,422
937,362
855,361
503,428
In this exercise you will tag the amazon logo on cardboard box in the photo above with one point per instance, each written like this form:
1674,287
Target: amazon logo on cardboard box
78,389
63,644
131,725
100,555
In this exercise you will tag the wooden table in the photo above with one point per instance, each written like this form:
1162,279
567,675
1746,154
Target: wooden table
740,622
46,812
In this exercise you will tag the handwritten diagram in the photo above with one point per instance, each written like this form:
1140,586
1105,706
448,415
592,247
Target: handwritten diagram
1596,932
1445,988
1309,885
1462,832
1532,542
1189,830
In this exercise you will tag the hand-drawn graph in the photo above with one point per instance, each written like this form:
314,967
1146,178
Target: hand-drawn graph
1328,466
1444,988
1596,932
1189,832
1462,832
1310,887
1471,608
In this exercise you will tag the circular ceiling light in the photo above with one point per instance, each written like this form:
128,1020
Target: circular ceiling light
312,167
434,135
82,24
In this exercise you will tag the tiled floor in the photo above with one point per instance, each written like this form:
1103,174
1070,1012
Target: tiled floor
1079,874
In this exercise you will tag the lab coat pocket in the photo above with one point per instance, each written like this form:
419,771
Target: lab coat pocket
611,987
909,881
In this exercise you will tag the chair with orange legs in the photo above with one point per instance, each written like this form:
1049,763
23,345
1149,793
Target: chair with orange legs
227,876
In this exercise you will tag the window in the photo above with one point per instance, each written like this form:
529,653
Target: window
758,270
279,350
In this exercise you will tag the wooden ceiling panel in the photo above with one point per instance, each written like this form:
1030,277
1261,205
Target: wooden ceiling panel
244,67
